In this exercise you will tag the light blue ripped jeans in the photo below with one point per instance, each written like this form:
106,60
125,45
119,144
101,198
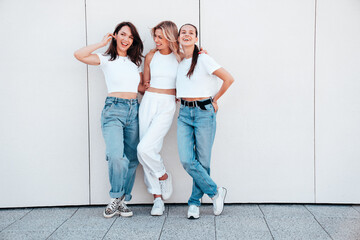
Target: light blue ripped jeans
195,136
120,128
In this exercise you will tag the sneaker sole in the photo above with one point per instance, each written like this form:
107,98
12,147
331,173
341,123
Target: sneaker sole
110,215
193,217
223,201
157,214
129,214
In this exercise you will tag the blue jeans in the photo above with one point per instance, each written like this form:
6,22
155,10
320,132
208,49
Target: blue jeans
120,128
195,136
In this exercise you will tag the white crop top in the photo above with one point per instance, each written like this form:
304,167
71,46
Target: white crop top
163,69
121,75
202,82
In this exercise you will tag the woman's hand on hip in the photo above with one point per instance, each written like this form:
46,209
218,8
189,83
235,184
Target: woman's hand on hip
216,107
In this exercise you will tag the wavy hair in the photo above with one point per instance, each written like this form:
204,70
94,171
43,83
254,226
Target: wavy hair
135,50
170,32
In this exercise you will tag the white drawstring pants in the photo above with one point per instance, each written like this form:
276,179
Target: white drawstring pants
156,114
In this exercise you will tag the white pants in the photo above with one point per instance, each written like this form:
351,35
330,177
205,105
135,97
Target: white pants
156,114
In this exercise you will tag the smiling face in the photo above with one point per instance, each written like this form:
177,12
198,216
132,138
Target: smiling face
160,40
124,39
187,35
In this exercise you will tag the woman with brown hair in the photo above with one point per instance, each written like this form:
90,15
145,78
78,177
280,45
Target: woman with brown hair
196,85
119,119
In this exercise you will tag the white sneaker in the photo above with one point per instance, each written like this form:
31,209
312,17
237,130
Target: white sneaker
158,207
166,187
193,212
218,201
112,208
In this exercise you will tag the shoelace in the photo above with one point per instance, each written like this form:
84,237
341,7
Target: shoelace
157,204
193,209
163,184
113,204
124,206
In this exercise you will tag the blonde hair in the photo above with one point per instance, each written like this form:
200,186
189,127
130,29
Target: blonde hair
170,32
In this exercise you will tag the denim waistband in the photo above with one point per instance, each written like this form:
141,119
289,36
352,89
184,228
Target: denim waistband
121,100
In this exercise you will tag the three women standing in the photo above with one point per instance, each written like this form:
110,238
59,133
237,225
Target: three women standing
195,83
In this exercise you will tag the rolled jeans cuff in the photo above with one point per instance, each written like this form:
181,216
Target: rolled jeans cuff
117,195
212,195
128,197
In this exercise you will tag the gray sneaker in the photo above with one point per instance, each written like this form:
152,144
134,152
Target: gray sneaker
112,208
124,210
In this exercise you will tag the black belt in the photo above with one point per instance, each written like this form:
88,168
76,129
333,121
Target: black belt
200,104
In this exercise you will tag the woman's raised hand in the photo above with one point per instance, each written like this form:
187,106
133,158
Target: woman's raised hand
203,51
106,39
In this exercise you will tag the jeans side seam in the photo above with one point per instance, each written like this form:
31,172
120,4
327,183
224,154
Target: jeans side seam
201,175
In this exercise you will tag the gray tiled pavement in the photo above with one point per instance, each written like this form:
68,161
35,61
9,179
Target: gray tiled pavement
238,221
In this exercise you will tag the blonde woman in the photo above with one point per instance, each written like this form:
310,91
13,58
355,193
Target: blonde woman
157,111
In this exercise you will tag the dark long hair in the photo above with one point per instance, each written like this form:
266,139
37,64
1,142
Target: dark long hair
195,53
134,51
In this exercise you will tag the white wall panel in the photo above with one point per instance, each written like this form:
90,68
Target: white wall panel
43,104
263,151
102,17
337,128
264,146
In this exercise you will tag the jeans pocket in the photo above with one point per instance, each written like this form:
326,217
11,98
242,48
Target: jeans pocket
108,107
105,112
209,107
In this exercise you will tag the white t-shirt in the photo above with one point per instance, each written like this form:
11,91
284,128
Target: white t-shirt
121,75
202,82
163,69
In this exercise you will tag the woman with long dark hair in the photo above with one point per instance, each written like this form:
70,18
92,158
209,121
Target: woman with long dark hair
119,119
196,85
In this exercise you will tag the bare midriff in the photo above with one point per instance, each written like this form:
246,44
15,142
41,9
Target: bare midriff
125,95
195,99
162,91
